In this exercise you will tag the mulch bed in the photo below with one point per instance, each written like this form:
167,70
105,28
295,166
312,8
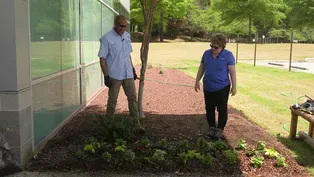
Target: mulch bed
174,112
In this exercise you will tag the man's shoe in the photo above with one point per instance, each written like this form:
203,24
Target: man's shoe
211,131
218,133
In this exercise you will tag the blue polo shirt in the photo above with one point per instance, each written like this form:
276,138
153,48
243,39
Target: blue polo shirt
116,50
216,70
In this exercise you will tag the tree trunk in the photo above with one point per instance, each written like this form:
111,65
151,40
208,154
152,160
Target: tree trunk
250,30
161,32
148,12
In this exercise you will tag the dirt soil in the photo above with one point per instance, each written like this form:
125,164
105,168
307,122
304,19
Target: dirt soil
174,112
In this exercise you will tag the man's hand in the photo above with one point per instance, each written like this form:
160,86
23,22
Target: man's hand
134,74
233,91
197,86
108,81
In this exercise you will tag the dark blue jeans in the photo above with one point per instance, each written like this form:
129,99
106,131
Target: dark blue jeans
219,100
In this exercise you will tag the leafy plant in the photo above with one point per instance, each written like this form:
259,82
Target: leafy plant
190,155
231,156
119,128
220,145
257,161
80,154
281,161
91,145
163,143
120,142
252,152
206,160
242,144
271,153
145,142
183,146
261,145
203,146
128,155
159,155
120,148
120,145
89,148
107,156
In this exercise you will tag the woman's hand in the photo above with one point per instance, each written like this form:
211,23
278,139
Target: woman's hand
233,91
197,86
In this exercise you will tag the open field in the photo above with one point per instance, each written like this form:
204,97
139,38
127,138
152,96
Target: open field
169,54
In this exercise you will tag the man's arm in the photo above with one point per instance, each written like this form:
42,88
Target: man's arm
103,66
131,62
233,76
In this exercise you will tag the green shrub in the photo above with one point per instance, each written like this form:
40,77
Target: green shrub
159,155
206,160
145,142
242,144
183,146
257,161
107,156
281,161
231,156
220,145
271,153
261,145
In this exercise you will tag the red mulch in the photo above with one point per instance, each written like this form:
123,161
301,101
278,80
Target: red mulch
176,112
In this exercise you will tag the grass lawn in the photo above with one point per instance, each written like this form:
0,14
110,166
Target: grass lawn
264,93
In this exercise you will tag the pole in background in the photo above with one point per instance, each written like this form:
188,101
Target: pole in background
237,52
256,39
291,42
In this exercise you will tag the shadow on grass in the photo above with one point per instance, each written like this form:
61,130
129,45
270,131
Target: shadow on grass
303,153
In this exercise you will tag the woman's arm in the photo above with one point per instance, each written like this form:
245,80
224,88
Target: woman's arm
233,76
199,76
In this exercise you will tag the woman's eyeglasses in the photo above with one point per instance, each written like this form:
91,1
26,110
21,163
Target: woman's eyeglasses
215,47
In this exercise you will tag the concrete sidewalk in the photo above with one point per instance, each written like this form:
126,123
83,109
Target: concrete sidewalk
307,67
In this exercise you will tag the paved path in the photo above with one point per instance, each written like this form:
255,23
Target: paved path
306,66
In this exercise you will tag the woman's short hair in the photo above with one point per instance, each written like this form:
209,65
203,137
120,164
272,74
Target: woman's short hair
220,40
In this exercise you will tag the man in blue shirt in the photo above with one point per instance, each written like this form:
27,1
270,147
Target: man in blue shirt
117,67
216,66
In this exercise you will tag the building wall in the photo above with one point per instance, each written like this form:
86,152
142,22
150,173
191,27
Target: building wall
65,68
49,75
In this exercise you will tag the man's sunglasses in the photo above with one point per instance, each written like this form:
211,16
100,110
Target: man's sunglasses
122,26
212,46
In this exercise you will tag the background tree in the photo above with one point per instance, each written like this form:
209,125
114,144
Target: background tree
165,11
301,13
261,11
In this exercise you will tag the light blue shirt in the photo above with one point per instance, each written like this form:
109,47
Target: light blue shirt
116,50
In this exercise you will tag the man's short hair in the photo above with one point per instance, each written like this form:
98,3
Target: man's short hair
220,40
118,18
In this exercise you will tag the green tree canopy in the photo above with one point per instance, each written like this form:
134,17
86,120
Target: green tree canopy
261,11
301,13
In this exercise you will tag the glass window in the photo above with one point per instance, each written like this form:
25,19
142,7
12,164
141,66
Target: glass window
120,9
54,36
91,81
91,30
107,19
109,2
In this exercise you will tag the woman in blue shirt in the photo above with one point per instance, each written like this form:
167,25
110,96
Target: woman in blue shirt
217,65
